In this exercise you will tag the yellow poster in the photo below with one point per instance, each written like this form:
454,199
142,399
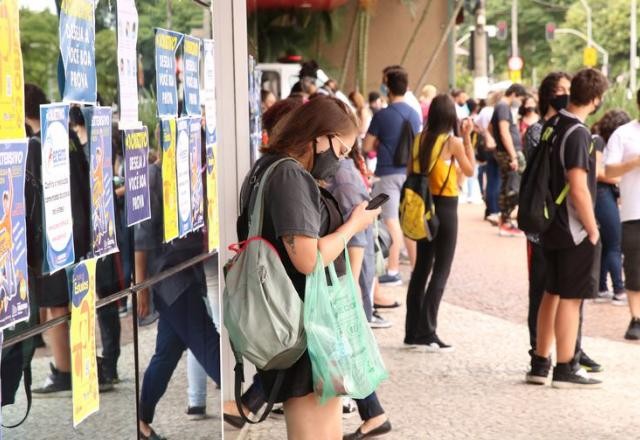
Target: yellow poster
84,368
169,184
213,225
11,74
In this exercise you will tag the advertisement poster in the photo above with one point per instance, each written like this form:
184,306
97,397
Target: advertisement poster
192,75
82,334
127,63
213,226
136,175
56,187
11,79
167,43
183,175
77,48
197,193
169,185
14,301
103,224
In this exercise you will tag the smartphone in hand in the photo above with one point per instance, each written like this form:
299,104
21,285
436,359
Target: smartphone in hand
377,201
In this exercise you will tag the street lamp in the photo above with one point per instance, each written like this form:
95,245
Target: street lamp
596,46
589,28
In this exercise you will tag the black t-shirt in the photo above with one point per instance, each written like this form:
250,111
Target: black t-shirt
567,230
502,112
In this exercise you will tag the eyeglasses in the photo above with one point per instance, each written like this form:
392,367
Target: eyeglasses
344,149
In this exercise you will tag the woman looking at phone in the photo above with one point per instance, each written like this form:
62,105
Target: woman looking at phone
440,149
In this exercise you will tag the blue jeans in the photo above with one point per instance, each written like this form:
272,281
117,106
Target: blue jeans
369,407
492,190
183,324
608,218
197,380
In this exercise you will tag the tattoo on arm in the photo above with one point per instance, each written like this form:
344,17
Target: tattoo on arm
289,241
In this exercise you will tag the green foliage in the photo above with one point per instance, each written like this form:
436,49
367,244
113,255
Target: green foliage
39,41
106,66
147,115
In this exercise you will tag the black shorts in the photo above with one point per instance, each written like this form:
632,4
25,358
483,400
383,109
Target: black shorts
573,273
631,252
50,290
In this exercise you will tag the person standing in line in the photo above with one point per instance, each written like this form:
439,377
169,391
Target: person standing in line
439,151
490,169
608,213
426,96
362,112
572,242
508,145
622,159
528,113
384,135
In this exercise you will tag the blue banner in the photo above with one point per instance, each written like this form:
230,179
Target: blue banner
197,198
56,187
136,175
191,61
77,49
167,43
14,299
183,173
103,225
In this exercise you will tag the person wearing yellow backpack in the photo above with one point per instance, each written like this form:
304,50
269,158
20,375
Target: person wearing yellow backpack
439,150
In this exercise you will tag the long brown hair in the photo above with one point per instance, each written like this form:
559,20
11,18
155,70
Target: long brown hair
294,134
442,119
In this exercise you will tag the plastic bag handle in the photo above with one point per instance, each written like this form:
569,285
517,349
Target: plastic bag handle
332,270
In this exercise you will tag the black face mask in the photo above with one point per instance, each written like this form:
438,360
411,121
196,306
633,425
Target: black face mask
325,164
559,102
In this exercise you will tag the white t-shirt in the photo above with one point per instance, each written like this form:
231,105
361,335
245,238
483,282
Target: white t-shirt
484,117
623,145
413,102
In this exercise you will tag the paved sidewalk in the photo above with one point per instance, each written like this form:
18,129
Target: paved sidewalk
477,392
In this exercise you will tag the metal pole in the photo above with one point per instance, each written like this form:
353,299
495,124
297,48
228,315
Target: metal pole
514,28
596,46
480,77
589,25
633,38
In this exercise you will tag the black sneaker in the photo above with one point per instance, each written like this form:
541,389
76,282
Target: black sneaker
105,377
57,384
568,376
197,412
539,371
589,364
633,332
349,407
435,345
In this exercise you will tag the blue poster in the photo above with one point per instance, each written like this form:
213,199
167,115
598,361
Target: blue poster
14,300
103,225
183,174
191,75
136,175
56,187
195,153
77,49
167,43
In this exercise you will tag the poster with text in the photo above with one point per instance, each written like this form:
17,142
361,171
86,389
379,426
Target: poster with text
14,293
213,225
167,43
183,176
197,193
77,49
136,175
169,185
82,335
127,64
56,187
103,224
12,78
192,75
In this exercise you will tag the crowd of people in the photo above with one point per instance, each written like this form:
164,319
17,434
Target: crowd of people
472,151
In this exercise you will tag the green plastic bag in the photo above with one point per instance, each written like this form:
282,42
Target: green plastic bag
344,354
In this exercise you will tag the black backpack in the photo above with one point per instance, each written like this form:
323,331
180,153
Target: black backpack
536,203
405,142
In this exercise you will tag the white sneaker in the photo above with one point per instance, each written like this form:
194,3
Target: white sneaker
619,299
378,321
603,296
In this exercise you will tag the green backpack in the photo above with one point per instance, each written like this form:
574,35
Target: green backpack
263,312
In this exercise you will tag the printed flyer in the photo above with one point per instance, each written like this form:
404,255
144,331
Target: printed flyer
12,79
77,48
103,224
169,185
209,97
136,175
127,64
191,75
195,153
56,187
167,43
82,334
183,175
14,292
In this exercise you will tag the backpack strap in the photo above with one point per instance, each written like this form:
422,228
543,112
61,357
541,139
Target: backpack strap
446,180
27,390
256,217
565,190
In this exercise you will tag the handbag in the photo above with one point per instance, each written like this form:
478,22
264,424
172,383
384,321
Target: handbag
345,359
